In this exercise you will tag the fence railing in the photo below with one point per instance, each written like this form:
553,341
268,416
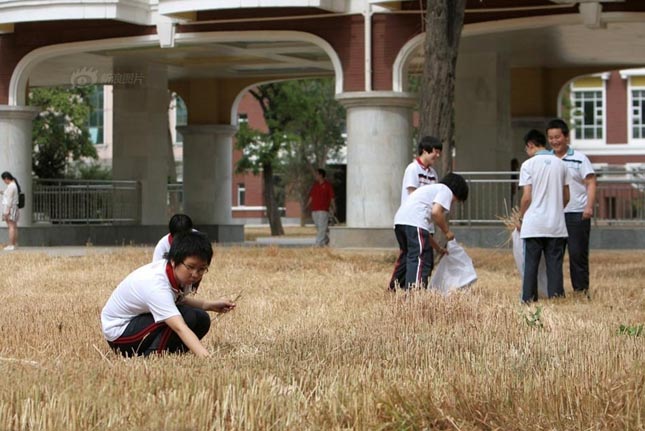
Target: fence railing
86,202
620,198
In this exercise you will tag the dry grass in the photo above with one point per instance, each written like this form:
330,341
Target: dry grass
316,343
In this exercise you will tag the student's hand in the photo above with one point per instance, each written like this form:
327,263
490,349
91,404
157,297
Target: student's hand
223,306
442,251
450,235
587,213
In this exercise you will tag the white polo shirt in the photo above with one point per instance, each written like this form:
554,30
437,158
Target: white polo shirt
417,175
547,175
417,209
579,168
163,246
146,290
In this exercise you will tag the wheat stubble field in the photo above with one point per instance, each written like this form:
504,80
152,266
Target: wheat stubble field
317,344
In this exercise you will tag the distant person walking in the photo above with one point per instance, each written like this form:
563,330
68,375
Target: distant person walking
420,172
321,201
10,211
545,193
579,211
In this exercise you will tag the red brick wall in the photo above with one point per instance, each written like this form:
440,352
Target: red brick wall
616,109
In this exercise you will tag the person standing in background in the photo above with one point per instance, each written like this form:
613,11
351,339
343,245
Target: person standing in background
321,200
420,172
579,211
10,211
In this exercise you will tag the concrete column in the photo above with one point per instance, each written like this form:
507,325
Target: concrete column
483,113
16,123
208,158
141,135
379,142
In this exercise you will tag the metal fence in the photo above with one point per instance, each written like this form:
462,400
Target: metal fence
86,202
620,198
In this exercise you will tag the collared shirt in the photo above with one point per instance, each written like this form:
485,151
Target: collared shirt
547,175
579,168
417,175
417,209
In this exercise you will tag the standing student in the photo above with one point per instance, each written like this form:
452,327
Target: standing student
179,223
10,211
414,225
579,211
321,200
420,172
545,192
152,309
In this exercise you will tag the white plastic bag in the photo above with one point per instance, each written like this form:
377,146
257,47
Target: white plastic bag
454,271
518,254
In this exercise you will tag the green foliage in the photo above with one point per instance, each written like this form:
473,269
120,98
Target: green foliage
534,319
92,170
60,131
631,330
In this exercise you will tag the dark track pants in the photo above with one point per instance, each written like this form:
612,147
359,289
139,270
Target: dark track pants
143,336
578,244
416,258
553,249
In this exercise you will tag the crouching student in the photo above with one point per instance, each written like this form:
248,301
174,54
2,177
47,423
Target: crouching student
151,310
414,225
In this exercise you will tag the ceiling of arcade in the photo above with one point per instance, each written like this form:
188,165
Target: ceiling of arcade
554,41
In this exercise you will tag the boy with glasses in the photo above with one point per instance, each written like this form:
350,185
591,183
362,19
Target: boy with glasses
152,309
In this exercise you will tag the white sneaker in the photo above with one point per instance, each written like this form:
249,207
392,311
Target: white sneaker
9,248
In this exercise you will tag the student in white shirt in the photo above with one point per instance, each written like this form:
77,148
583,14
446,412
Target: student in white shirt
579,211
10,211
545,192
179,223
420,172
414,225
153,310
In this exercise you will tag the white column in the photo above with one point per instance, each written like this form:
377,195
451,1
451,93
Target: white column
379,143
141,136
16,123
483,113
208,177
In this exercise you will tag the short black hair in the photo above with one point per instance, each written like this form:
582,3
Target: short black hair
558,123
429,144
189,244
180,223
535,136
457,185
322,172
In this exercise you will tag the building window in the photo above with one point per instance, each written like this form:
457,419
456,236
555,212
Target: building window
241,195
242,118
587,114
97,115
638,114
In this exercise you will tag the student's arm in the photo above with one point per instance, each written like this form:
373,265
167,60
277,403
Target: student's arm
410,190
178,325
222,306
439,219
566,196
524,203
590,184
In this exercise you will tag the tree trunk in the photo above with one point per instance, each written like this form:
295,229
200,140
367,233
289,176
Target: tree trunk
268,192
444,21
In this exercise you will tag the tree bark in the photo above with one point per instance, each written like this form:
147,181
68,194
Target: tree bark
268,192
444,22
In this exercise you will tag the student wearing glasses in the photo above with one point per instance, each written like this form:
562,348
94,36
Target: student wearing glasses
153,310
